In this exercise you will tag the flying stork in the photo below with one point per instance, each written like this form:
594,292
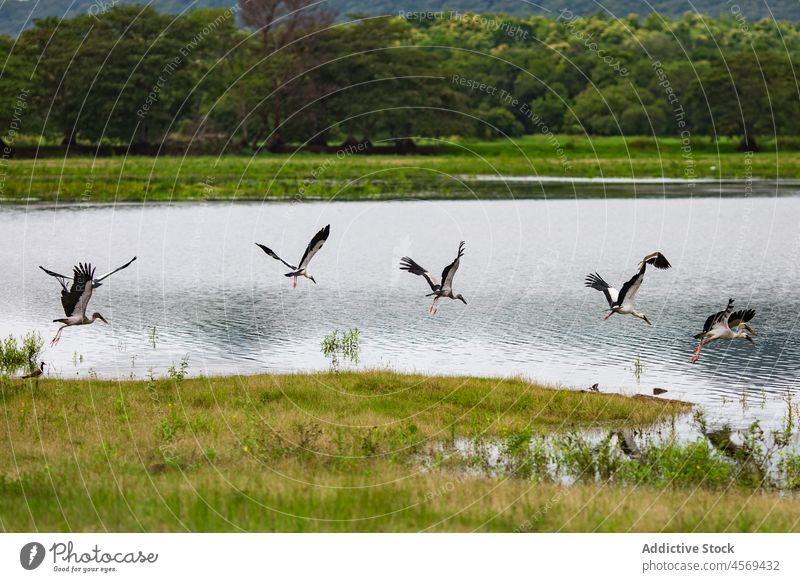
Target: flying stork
726,325
76,299
622,301
443,289
301,269
63,279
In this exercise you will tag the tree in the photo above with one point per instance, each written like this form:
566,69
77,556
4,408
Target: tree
617,110
751,94
283,24
14,94
58,85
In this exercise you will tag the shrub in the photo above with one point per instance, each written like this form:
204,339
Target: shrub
338,347
14,356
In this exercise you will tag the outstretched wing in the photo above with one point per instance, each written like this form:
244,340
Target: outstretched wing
739,317
77,298
60,278
272,254
408,264
595,281
450,270
314,246
656,259
125,266
627,294
719,318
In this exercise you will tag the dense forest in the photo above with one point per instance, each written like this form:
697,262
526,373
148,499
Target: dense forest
16,15
130,76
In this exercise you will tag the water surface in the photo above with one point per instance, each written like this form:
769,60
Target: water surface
212,295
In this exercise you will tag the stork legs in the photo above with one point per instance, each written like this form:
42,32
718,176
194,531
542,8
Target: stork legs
699,347
434,306
294,282
58,335
610,313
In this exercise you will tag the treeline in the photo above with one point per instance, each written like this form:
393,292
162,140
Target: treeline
16,15
131,77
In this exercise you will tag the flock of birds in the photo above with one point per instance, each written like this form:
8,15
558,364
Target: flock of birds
723,325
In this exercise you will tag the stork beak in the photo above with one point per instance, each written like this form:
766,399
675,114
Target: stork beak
464,300
750,329
101,318
313,280
751,340
646,320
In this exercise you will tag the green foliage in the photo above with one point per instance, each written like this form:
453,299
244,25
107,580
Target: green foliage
500,122
152,336
638,368
340,347
171,425
789,470
25,356
130,75
178,373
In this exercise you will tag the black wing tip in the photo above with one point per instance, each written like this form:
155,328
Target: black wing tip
593,279
744,315
658,260
85,270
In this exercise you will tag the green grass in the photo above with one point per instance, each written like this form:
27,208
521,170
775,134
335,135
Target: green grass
328,452
358,177
319,452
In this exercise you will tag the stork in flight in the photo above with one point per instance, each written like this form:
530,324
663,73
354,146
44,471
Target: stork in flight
443,289
95,282
622,301
726,325
301,270
75,298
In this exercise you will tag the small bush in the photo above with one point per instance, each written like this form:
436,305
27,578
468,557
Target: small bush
14,357
346,346
179,373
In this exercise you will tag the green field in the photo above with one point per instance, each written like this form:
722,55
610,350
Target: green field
357,177
369,451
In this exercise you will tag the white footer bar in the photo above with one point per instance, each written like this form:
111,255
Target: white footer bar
389,557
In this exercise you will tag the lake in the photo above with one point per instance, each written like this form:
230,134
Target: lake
202,289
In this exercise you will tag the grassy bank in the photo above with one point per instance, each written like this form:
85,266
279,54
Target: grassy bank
366,451
271,452
356,177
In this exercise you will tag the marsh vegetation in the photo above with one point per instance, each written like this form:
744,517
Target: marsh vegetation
20,355
360,177
368,451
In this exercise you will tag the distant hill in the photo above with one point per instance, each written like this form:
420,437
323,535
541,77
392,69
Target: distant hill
16,15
